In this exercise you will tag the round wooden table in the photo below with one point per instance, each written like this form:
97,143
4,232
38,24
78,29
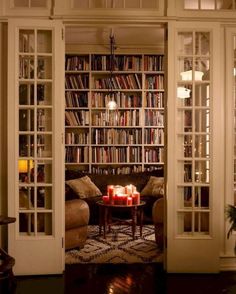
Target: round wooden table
106,219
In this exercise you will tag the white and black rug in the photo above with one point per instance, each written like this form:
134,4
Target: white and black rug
118,247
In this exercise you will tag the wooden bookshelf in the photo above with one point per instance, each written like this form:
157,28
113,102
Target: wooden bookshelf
128,139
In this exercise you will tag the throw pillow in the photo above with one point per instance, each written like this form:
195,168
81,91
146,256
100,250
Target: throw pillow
84,187
154,187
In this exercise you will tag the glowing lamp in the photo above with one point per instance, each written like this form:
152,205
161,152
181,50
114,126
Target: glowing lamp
183,92
188,75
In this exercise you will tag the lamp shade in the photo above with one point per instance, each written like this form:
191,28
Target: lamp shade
188,75
24,165
183,92
111,105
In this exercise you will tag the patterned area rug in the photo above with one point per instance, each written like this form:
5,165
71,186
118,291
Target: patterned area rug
118,247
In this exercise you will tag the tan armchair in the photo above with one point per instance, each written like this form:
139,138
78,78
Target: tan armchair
76,223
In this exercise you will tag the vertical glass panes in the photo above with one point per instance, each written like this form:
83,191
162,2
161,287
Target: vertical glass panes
26,94
35,165
193,131
26,41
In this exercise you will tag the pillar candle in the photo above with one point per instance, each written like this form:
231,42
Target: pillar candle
136,197
129,200
105,199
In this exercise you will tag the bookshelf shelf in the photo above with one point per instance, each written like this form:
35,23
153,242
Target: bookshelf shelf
129,139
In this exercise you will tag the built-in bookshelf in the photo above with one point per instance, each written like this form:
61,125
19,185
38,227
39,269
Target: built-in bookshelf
127,139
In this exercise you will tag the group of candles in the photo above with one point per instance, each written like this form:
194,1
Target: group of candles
117,195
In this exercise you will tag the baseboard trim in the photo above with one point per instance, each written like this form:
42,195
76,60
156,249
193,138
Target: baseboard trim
227,263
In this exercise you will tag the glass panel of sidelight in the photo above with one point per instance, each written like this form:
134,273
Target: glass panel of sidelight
202,146
184,95
26,223
184,222
184,146
202,120
44,145
26,120
202,43
201,196
202,171
26,94
115,4
26,145
184,120
25,169
44,93
44,197
21,3
44,67
44,41
26,198
185,43
201,222
185,171
26,41
185,65
44,171
202,71
150,4
208,4
44,120
202,95
188,171
184,195
44,223
26,67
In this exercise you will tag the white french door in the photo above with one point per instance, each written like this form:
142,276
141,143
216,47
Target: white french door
195,147
35,145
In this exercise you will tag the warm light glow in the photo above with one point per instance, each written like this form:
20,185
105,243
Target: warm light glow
183,92
25,165
188,75
111,105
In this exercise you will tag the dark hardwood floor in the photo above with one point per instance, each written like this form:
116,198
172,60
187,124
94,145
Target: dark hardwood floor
123,279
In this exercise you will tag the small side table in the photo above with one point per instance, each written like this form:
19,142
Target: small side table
7,280
106,220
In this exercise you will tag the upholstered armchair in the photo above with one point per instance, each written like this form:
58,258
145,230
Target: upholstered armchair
76,223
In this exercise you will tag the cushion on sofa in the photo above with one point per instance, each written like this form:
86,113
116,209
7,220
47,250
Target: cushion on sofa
84,187
154,187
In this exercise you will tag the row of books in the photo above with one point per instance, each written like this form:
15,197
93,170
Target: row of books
77,118
76,99
153,136
77,154
153,118
154,62
119,63
114,170
153,99
116,154
26,68
117,118
76,62
76,138
155,82
121,99
116,136
77,81
128,81
154,155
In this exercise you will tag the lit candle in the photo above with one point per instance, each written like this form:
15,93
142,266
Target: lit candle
125,199
105,199
129,200
128,189
110,193
136,197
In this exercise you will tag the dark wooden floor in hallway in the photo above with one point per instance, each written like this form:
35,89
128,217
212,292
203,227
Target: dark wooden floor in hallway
126,279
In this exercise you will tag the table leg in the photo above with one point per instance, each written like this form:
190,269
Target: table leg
134,220
141,221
